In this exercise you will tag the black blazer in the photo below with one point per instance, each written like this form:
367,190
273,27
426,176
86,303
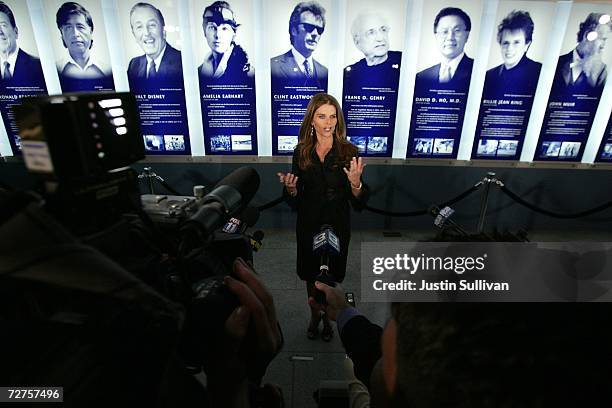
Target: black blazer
284,66
520,79
461,79
563,76
27,67
324,197
169,68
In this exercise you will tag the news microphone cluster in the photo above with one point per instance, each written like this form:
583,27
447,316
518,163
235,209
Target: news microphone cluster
326,245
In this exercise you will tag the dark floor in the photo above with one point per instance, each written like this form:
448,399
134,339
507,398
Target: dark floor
303,363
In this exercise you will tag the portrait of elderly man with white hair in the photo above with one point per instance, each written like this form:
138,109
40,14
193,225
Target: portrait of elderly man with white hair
583,68
380,66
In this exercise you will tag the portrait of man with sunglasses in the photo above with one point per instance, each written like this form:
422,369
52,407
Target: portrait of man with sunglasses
379,67
452,30
306,26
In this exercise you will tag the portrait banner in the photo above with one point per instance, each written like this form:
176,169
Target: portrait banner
517,49
152,43
226,75
579,80
78,36
298,65
605,150
371,74
21,74
449,36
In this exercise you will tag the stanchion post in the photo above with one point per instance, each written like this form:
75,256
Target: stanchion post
150,175
484,201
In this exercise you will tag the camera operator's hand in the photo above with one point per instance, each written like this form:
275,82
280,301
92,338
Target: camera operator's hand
334,296
228,380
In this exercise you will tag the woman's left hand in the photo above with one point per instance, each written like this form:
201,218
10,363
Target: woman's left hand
353,173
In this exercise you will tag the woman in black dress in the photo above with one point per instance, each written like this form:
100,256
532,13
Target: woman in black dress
325,178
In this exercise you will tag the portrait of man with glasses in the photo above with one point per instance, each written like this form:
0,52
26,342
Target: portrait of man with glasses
452,30
306,26
379,67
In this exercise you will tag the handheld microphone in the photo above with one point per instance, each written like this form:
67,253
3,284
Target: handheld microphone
257,240
229,197
325,244
443,218
249,218
239,225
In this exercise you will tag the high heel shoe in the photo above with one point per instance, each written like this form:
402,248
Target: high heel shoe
327,333
313,330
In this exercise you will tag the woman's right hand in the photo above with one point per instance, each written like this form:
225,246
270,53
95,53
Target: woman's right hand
289,181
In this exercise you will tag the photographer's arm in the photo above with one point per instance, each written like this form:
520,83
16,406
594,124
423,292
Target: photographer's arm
228,382
361,338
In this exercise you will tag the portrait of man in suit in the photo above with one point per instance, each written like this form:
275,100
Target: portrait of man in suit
226,60
370,33
518,74
582,69
306,26
16,65
160,60
76,27
451,28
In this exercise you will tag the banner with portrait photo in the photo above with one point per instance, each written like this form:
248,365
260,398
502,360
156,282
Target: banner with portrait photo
300,51
449,38
373,57
80,48
605,150
224,39
21,74
579,80
152,43
517,51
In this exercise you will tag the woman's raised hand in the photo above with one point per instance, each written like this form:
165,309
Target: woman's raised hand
289,181
353,173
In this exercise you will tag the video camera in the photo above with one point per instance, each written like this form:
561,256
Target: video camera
80,147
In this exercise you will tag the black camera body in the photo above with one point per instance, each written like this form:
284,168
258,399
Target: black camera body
79,146
205,254
169,210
